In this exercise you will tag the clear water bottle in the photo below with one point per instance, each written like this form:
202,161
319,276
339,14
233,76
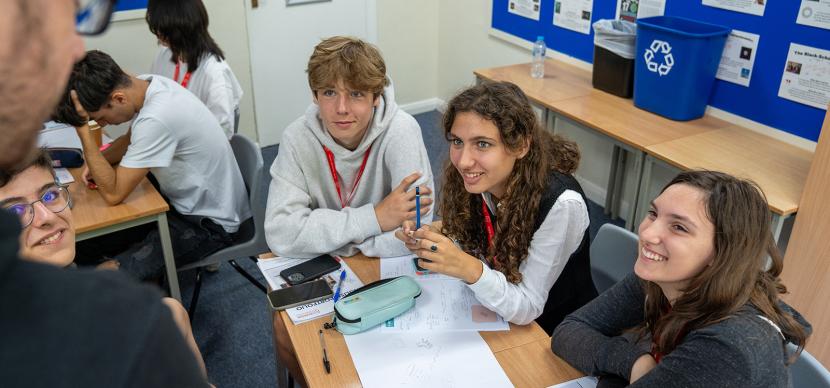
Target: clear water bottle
537,65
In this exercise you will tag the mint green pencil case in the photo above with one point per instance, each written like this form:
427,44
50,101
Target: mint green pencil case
375,303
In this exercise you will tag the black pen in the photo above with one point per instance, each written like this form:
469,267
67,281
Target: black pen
326,363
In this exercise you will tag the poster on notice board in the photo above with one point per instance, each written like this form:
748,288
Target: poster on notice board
752,7
814,13
631,10
806,76
574,15
738,57
526,8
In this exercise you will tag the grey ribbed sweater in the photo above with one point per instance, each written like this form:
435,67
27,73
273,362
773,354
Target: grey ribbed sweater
743,350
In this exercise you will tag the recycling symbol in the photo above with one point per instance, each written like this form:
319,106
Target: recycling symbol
659,46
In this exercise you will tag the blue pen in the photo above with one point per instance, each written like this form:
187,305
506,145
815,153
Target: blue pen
339,285
417,208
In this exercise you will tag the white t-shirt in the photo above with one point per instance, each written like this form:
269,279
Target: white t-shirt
213,83
176,137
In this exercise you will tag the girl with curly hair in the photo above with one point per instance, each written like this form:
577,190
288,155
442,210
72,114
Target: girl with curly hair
515,221
702,308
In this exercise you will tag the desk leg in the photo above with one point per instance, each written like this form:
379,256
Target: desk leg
777,225
169,260
610,192
551,120
642,166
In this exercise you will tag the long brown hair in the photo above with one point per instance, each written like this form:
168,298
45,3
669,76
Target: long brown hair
738,275
506,106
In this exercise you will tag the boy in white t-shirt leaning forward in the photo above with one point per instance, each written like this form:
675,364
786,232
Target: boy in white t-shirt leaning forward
174,136
346,172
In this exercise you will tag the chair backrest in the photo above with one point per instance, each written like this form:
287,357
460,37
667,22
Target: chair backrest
806,371
613,253
249,158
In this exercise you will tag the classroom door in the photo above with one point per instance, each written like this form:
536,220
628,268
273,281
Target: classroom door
281,39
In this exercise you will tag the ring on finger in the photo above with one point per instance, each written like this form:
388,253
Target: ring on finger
433,248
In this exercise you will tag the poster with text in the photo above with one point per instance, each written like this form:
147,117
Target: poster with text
806,76
814,13
752,7
573,15
526,8
738,57
631,10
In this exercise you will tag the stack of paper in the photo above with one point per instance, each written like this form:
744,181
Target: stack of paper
271,269
434,344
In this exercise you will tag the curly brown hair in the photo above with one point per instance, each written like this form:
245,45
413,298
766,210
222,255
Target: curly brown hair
738,275
507,107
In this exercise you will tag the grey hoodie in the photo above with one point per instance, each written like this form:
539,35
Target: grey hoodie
304,218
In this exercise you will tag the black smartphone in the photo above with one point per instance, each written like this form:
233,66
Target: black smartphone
418,267
310,270
300,294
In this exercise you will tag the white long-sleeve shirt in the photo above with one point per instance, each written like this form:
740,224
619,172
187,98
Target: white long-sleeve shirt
552,244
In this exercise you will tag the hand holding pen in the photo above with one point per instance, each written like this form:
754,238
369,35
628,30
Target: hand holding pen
400,204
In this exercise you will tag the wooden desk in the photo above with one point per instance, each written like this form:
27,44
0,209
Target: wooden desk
523,352
780,169
94,217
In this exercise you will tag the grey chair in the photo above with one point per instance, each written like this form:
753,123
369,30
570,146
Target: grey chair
613,253
249,241
806,371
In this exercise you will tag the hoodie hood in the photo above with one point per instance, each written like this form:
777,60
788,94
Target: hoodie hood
382,117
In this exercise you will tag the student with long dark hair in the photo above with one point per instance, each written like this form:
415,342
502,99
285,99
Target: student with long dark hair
515,221
192,58
702,307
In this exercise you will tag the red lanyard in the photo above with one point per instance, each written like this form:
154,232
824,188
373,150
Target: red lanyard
333,169
488,225
186,79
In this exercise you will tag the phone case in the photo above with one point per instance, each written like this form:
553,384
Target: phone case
310,270
301,295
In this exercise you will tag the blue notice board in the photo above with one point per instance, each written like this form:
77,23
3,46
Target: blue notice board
758,102
127,5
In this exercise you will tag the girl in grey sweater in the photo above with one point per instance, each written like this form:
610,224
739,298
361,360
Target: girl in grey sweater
701,308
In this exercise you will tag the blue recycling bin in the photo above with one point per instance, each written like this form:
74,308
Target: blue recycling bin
676,63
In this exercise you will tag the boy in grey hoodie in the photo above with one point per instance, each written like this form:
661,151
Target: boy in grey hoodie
346,172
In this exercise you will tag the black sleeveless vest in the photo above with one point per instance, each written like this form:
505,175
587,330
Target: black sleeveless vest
574,288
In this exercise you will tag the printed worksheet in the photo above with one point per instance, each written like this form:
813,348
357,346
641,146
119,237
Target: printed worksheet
806,77
814,13
752,7
573,15
445,304
631,10
582,382
738,57
526,8
424,360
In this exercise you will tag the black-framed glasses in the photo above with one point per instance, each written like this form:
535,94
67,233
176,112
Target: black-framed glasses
55,198
93,16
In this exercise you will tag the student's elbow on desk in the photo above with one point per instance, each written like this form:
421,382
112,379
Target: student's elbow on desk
112,199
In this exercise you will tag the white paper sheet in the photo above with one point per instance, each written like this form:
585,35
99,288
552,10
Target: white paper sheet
814,13
752,7
806,76
738,57
582,382
64,176
271,269
573,15
445,304
56,135
526,8
631,10
425,360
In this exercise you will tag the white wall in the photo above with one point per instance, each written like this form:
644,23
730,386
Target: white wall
408,35
132,45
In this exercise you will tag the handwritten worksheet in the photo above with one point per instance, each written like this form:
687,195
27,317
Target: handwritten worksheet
425,360
445,304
